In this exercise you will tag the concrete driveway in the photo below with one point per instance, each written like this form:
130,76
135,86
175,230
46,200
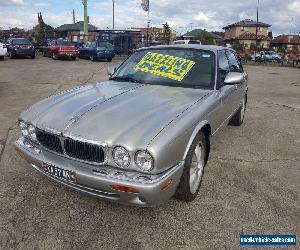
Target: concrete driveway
251,183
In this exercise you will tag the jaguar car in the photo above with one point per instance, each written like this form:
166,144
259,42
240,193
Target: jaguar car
143,136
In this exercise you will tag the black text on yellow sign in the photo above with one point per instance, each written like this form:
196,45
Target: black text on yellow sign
167,66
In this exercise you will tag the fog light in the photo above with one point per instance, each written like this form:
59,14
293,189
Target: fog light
125,189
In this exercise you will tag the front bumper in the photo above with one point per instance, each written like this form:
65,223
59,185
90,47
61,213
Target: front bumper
23,52
97,180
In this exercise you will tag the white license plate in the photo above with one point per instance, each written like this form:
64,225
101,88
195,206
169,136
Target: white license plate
59,172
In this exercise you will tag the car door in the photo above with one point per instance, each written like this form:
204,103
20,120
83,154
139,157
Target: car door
237,90
224,92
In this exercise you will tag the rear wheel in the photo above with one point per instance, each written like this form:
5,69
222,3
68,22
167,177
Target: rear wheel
109,59
54,56
93,59
74,58
194,164
238,118
1,58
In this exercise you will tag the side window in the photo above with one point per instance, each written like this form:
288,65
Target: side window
223,68
234,63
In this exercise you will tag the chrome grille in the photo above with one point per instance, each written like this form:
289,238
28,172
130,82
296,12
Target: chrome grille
84,151
49,141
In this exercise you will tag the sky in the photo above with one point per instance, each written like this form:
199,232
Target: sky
182,15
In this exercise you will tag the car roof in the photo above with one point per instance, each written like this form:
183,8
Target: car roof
212,48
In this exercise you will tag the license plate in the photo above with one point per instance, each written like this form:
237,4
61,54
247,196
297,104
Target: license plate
59,172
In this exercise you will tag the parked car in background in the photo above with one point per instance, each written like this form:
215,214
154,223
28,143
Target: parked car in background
60,48
146,133
97,50
267,56
3,51
20,47
187,42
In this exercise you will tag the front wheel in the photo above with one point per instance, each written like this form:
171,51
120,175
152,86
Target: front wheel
194,164
238,118
109,59
54,57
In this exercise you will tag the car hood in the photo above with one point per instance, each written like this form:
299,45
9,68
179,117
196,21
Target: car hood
128,114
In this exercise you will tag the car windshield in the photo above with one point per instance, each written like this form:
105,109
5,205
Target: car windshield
189,68
63,42
194,42
21,41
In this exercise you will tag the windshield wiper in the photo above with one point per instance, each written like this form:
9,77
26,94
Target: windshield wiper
124,79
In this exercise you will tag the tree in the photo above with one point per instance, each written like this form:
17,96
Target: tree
166,34
43,30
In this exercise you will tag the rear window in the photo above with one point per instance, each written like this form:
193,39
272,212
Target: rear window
105,45
21,41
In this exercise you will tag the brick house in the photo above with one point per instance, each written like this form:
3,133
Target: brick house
286,42
74,32
244,33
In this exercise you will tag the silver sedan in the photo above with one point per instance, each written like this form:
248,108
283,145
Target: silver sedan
144,135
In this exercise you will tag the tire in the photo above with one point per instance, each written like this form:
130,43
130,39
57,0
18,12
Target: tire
109,59
1,58
32,56
54,57
11,55
188,189
92,58
74,58
238,117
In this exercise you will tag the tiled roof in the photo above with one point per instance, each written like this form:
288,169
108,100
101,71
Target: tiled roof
247,23
287,39
76,26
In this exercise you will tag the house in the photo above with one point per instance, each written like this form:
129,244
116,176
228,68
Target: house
206,37
74,32
243,33
154,34
286,42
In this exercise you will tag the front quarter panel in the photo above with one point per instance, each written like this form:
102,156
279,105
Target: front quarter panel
171,145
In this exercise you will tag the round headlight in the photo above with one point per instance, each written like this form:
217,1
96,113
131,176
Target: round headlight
24,128
144,160
121,157
31,132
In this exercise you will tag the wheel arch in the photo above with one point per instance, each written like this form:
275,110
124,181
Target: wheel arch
203,127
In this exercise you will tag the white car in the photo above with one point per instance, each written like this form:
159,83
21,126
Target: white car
3,51
187,42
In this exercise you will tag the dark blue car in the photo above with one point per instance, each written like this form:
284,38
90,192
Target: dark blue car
97,50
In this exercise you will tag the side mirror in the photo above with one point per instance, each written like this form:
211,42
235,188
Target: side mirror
234,78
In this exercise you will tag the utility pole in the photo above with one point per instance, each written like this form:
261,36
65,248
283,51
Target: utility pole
256,33
74,19
86,21
113,2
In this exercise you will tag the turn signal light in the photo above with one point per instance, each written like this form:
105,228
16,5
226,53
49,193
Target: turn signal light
166,184
125,189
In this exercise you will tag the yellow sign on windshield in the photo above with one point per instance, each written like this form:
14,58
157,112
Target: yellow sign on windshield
167,66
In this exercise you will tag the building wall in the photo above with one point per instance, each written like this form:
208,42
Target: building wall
247,43
239,30
77,36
